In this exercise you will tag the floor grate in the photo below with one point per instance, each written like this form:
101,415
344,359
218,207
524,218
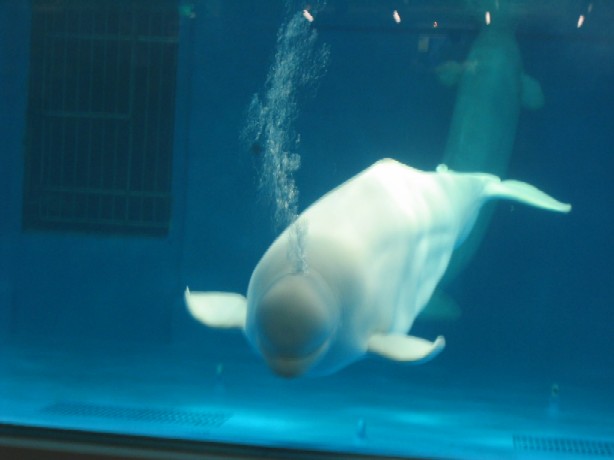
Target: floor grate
172,416
564,446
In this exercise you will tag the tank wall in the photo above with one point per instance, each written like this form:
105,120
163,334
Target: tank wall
58,286
14,40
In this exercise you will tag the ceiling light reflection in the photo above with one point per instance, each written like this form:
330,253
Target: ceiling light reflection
307,15
580,21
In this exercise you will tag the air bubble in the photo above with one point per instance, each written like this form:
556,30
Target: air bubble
298,65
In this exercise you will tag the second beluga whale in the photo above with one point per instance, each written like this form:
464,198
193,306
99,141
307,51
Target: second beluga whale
493,88
375,249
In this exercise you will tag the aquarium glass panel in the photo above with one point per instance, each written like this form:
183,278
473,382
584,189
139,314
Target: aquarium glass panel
308,229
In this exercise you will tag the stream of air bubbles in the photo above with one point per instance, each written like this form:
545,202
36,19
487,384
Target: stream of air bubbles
297,66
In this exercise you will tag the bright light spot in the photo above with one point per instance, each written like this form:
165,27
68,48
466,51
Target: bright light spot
307,15
580,21
435,24
487,18
396,16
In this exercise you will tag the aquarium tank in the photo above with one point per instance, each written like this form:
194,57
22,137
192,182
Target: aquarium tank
307,229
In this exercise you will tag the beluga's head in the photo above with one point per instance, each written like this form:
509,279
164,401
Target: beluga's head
292,322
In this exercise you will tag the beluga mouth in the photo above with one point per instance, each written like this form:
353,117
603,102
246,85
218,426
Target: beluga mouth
291,367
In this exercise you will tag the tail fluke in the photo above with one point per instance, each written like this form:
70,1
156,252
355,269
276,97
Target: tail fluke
525,193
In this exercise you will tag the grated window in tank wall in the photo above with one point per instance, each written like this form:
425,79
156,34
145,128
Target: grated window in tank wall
100,120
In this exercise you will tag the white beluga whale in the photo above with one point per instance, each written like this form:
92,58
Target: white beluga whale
375,249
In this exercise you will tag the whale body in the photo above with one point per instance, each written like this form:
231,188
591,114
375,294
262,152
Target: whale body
375,249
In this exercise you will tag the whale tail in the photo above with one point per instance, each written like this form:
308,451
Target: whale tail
524,193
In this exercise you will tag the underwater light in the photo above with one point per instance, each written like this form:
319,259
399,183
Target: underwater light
580,21
396,16
487,18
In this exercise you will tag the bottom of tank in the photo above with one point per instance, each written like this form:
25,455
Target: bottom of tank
145,398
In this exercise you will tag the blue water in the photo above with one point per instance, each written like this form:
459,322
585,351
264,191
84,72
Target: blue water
98,318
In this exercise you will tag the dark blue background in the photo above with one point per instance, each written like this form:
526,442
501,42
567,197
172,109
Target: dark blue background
539,294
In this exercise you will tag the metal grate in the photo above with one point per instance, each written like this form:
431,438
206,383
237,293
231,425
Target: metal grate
564,446
101,116
176,417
